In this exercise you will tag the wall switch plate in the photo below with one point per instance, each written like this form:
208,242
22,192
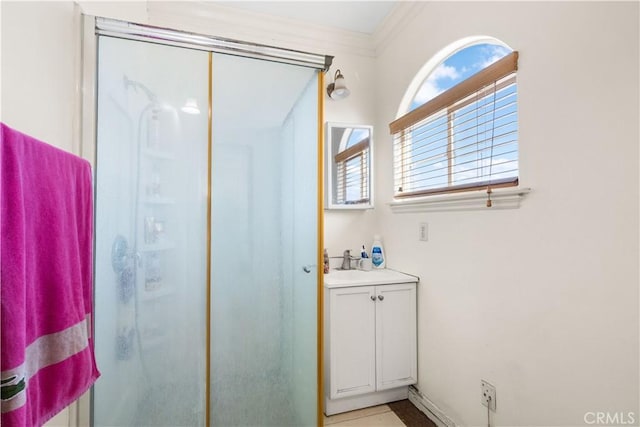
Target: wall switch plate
424,232
488,395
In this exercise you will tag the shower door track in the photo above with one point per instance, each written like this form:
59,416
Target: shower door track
128,30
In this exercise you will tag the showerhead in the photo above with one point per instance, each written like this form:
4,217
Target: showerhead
137,85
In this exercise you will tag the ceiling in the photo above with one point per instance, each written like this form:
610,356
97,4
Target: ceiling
360,16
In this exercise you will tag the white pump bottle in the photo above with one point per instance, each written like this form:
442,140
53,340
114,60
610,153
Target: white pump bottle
377,253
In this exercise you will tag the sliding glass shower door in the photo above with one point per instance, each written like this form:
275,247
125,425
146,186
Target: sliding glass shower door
151,248
264,244
196,211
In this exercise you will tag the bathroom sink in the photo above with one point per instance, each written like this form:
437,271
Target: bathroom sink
345,278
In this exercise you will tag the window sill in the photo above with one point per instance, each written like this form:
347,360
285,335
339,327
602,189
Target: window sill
472,201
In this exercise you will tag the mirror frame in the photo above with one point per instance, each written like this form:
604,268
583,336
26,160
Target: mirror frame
330,167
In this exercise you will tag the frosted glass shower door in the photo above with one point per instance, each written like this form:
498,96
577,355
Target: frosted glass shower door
264,237
151,231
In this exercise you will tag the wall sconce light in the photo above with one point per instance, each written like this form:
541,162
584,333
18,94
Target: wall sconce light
337,89
191,106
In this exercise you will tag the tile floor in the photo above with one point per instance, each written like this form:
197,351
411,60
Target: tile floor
376,416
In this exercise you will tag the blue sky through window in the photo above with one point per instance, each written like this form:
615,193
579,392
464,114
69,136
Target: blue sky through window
352,180
356,136
456,68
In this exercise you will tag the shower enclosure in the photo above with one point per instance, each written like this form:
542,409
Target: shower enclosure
207,234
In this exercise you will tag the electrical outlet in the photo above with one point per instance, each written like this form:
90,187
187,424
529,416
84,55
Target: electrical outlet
488,395
424,232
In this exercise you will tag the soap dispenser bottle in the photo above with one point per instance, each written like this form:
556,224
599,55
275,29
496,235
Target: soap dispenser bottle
377,253
326,262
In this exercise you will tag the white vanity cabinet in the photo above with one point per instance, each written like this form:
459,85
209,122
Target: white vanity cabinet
370,338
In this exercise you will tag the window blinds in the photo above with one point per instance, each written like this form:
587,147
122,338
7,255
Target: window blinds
352,177
464,139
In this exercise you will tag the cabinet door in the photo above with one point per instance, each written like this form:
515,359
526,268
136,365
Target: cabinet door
396,349
352,341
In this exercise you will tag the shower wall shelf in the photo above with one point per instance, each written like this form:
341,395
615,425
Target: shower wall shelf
157,214
152,342
160,201
158,154
157,293
154,247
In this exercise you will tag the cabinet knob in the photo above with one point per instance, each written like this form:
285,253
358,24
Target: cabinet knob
380,297
373,297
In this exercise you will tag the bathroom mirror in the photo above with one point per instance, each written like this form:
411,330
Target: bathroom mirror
349,165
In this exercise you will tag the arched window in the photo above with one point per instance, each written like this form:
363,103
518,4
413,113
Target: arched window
352,136
458,129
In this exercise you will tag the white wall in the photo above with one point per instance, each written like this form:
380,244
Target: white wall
39,62
541,301
350,229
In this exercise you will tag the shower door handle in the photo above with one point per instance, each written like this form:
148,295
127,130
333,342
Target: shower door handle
307,268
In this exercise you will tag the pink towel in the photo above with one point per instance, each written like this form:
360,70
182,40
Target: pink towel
46,270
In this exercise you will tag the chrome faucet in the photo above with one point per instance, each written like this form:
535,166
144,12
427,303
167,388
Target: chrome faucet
346,260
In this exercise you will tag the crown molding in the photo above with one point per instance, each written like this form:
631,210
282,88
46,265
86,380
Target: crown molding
223,21
401,15
206,17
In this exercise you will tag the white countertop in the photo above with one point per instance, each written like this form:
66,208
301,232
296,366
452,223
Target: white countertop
346,278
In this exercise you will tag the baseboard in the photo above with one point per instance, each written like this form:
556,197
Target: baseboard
344,404
429,408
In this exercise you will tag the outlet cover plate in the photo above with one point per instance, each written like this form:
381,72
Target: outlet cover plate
423,233
488,395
